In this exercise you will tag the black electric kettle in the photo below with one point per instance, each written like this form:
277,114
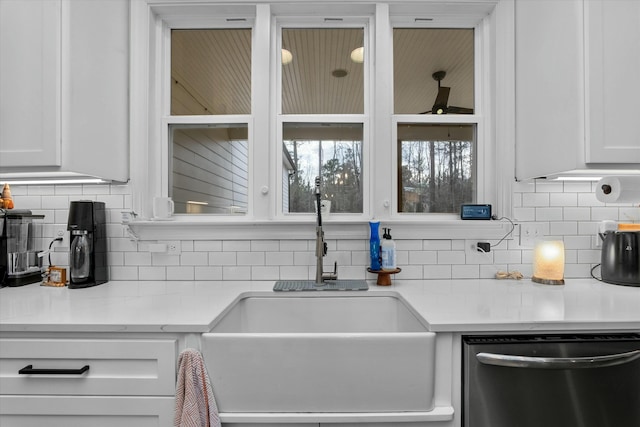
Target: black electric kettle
620,262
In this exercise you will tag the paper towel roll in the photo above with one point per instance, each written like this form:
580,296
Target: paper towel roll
619,189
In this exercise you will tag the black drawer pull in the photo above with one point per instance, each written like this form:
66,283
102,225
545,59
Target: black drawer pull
27,370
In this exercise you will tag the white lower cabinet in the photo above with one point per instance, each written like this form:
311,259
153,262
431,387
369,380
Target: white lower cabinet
99,411
92,382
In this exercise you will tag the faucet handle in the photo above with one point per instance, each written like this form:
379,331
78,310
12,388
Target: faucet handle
333,275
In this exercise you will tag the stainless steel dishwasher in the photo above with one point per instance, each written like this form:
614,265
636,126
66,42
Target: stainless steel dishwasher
581,380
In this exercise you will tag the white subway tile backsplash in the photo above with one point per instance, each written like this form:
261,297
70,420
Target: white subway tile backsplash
423,257
577,242
576,214
451,257
535,199
293,245
589,257
207,246
222,258
465,271
507,257
563,199
261,272
568,211
123,273
236,273
588,199
194,258
294,272
152,273
605,213
563,228
137,258
630,213
436,245
251,258
236,245
437,272
524,214
208,273
279,258
549,214
180,273
159,258
265,246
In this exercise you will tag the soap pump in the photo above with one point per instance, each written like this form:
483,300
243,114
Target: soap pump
388,251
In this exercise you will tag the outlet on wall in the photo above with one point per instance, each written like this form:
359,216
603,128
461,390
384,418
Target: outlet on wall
529,232
64,234
173,246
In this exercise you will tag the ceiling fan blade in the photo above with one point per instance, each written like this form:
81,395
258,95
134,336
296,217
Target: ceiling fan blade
440,104
459,110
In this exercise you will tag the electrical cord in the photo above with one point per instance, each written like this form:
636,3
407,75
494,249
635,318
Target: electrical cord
513,227
593,275
57,239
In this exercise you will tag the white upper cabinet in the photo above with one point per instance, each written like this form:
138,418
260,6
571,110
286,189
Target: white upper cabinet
68,112
30,83
613,80
576,87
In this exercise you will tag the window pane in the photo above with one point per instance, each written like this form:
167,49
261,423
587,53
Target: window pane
421,57
437,170
332,151
209,168
210,72
321,76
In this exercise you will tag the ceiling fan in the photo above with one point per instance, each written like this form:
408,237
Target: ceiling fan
440,105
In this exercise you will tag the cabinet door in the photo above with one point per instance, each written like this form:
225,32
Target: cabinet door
549,87
95,96
613,80
30,83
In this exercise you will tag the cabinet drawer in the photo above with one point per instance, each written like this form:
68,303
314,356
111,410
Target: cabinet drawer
116,367
64,411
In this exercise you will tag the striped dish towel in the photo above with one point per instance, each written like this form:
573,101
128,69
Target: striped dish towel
195,404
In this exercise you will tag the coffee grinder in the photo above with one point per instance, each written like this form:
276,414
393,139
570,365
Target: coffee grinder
20,246
88,248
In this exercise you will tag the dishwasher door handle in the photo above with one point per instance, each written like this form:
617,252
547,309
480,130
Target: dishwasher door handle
510,361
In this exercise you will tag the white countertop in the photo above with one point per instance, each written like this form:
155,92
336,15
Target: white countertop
447,305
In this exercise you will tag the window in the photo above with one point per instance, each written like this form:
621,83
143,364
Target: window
351,94
434,78
331,151
209,158
210,168
437,169
322,118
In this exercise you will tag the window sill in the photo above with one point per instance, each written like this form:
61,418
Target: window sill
209,229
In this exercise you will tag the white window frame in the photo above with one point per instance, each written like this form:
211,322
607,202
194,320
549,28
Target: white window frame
302,22
150,18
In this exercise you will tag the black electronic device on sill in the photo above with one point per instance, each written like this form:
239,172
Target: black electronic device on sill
481,212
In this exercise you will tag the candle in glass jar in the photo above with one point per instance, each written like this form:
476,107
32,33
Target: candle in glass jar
548,262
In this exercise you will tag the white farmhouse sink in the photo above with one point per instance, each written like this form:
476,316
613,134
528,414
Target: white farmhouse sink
334,352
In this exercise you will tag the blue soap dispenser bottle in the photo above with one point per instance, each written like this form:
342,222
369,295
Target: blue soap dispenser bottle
374,245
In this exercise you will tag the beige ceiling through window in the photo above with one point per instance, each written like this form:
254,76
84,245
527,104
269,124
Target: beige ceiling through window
322,78
211,72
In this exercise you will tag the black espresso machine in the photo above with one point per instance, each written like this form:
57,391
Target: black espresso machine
20,247
88,244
